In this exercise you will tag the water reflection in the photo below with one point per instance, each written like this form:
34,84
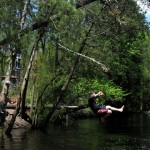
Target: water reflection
16,142
118,133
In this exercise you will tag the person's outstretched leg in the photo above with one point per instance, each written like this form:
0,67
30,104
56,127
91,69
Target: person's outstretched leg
109,112
115,109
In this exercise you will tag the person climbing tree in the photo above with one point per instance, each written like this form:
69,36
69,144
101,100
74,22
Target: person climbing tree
102,111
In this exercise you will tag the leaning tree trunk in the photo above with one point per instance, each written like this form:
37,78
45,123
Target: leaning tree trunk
25,83
23,92
64,88
32,95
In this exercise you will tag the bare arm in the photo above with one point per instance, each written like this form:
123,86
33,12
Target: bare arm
100,93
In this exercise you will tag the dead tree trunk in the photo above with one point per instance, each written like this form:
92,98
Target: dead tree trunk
23,13
32,95
64,88
25,81
23,92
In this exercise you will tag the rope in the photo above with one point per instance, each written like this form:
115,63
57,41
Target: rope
91,59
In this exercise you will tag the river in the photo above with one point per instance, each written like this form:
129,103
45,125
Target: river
126,132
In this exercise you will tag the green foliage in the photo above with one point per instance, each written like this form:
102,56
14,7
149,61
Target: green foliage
84,86
145,74
114,40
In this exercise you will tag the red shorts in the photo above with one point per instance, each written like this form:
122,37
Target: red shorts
100,111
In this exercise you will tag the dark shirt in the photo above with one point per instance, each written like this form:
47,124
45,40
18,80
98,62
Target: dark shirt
93,105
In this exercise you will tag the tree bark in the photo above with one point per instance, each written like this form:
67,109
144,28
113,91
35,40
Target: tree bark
23,14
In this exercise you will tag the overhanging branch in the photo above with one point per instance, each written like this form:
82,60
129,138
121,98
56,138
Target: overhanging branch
33,27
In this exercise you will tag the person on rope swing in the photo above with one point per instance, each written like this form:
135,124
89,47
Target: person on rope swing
102,111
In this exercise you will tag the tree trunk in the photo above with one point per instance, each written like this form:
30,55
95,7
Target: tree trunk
23,13
64,88
23,92
32,96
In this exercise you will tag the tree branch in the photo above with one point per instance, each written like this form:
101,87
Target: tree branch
81,3
104,68
33,27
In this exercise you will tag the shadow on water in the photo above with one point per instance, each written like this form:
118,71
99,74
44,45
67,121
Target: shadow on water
124,132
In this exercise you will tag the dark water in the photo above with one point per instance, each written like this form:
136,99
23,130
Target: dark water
118,133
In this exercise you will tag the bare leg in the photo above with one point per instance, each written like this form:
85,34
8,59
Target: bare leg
115,109
110,109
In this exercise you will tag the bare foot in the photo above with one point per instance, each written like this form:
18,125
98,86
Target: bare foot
121,109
